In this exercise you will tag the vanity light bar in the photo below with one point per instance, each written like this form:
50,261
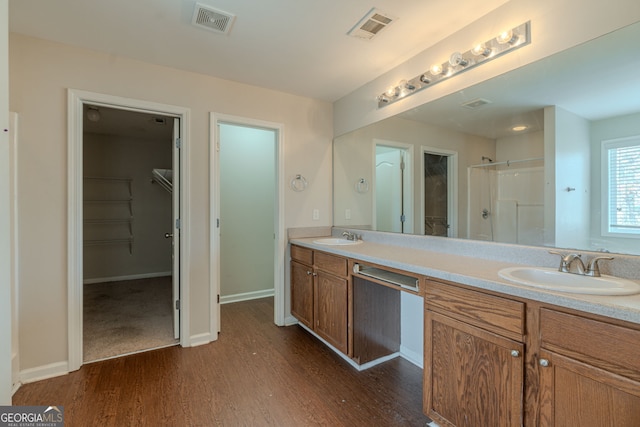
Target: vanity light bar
505,42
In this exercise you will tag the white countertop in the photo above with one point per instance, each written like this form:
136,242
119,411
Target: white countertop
479,273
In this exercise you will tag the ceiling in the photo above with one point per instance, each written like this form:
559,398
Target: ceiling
294,46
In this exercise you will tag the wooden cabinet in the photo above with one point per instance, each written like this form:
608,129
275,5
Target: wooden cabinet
473,358
589,372
320,294
491,360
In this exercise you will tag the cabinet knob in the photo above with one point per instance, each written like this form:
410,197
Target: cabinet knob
543,362
515,353
315,274
308,273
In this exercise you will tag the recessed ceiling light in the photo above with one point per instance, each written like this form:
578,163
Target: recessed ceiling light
519,128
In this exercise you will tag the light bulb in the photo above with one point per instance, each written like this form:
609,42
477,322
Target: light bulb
481,49
425,79
506,37
457,59
391,91
93,114
436,69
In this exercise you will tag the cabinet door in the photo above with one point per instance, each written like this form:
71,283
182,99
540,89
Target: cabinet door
577,394
302,293
472,377
331,298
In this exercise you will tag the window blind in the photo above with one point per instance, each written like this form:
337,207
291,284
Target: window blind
624,186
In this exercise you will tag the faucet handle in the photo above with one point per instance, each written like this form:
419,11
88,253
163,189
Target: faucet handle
565,260
592,268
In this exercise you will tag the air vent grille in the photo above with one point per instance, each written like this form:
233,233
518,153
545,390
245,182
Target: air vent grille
371,24
212,19
476,103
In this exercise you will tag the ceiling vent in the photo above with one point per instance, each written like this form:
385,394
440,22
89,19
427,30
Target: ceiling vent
371,25
212,19
476,103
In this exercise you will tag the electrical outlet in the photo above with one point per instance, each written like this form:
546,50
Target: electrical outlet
316,214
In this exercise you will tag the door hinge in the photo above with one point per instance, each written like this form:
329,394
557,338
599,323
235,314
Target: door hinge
218,298
178,143
178,223
177,304
217,222
402,218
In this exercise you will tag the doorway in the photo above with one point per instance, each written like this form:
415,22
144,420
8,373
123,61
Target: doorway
119,214
247,227
128,186
439,192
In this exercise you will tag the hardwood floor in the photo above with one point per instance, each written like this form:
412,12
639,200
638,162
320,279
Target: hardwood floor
256,374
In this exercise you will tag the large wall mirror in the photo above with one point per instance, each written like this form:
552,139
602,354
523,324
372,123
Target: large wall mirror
515,159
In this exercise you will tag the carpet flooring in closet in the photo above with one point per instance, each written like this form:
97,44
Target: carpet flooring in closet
126,317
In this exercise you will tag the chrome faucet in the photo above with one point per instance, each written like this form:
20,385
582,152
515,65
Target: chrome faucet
567,260
593,269
350,236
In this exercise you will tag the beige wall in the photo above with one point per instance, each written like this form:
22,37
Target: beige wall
40,74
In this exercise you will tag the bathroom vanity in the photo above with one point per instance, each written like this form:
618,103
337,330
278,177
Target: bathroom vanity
495,353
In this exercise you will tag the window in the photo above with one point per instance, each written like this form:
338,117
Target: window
621,187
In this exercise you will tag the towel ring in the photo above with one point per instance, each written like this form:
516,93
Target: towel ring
362,186
299,183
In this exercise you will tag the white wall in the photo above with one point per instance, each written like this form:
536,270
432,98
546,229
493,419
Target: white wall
41,72
602,130
573,162
247,209
6,257
555,26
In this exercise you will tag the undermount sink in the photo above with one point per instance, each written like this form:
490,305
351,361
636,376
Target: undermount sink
552,279
336,241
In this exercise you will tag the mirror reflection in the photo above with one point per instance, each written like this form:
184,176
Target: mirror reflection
515,159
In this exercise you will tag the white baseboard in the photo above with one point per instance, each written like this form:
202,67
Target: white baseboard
290,321
15,372
200,339
43,372
128,277
412,356
247,296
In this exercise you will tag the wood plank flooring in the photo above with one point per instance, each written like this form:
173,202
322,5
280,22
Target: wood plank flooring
256,374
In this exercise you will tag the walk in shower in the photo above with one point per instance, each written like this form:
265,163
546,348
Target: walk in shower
506,201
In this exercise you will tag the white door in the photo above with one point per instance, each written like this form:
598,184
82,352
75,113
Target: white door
175,277
393,189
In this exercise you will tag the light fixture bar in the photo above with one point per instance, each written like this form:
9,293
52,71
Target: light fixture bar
505,42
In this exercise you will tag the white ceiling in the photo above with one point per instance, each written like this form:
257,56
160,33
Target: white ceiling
294,46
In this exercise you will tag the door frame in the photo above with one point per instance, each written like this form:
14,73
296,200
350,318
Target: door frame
452,187
214,238
75,102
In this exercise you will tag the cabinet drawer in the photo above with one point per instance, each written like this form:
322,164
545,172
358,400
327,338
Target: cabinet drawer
331,264
595,342
302,255
490,312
